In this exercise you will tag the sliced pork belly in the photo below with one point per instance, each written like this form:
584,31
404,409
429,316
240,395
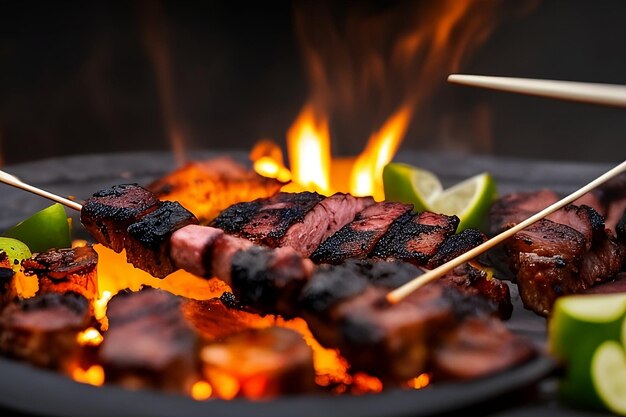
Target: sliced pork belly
107,214
266,221
149,343
358,238
327,217
478,347
62,270
42,330
415,238
148,242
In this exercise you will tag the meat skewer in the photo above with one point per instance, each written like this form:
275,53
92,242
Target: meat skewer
271,281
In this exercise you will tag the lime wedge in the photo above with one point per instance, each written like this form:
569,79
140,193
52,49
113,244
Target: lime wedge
409,184
578,326
469,200
16,251
608,372
46,229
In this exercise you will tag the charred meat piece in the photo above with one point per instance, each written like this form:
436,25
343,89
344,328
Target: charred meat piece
583,219
148,242
207,187
327,217
358,238
366,329
604,260
222,254
214,320
475,282
266,363
62,270
269,280
42,330
109,212
455,245
415,238
149,343
478,347
266,221
546,258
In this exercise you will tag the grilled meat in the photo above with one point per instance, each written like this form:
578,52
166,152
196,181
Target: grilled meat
107,215
326,218
269,280
266,221
357,239
344,308
63,270
149,343
476,348
416,238
566,253
42,330
616,285
265,362
455,245
148,242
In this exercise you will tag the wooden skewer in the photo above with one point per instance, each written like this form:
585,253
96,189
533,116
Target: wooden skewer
596,93
406,289
16,182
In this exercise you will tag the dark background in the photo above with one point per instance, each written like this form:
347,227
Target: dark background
79,77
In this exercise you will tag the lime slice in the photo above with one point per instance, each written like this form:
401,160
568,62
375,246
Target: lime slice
608,372
578,326
409,184
16,251
469,200
46,229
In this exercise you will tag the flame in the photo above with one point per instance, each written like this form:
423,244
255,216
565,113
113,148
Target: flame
308,142
89,337
94,375
419,382
364,65
201,390
366,178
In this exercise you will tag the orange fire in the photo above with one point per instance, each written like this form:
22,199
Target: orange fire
311,165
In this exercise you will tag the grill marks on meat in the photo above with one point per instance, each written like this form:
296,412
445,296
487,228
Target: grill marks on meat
63,270
455,245
566,253
132,218
149,343
415,238
357,239
42,330
148,242
326,218
266,221
266,362
109,212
